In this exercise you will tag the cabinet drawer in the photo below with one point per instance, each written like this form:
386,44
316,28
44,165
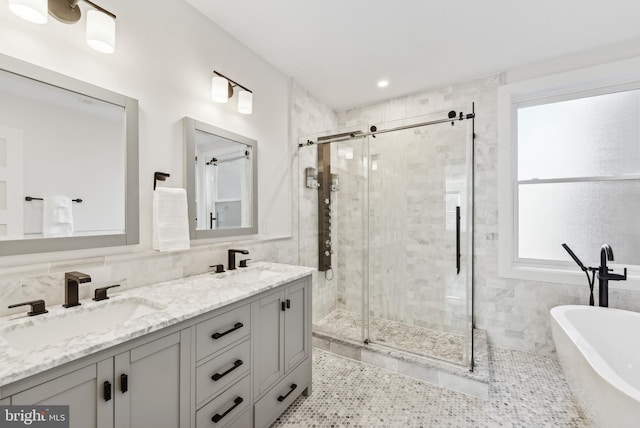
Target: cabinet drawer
244,421
226,367
269,407
218,332
226,406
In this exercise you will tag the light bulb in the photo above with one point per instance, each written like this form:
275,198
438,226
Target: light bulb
245,102
101,31
219,89
36,11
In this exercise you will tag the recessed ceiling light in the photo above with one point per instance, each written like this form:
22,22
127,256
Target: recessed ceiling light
383,84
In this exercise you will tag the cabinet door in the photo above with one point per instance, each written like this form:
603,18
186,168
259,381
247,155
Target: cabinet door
296,328
82,390
268,333
149,386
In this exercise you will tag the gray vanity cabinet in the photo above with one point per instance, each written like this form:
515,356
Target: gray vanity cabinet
82,389
152,384
141,387
282,363
238,366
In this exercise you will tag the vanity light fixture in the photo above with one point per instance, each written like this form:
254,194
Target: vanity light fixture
101,24
222,90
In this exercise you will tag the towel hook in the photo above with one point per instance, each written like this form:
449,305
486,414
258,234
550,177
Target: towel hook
159,176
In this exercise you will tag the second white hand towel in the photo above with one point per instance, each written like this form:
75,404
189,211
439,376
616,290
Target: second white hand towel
57,217
170,219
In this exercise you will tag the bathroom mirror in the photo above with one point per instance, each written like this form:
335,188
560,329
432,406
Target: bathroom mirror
68,163
222,171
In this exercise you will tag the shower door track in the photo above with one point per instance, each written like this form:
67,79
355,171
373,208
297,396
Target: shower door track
359,134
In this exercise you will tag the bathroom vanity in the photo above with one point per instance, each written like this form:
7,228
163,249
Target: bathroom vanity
211,350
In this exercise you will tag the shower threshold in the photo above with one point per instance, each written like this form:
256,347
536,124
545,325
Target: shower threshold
413,351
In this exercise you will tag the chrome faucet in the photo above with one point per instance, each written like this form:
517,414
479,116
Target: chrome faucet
232,258
72,280
606,253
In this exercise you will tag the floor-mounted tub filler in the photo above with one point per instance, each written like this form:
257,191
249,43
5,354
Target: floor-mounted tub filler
599,351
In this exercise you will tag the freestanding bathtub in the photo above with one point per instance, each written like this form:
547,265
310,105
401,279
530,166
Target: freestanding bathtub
599,352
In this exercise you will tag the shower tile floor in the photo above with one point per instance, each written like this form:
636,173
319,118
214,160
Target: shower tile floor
526,391
409,338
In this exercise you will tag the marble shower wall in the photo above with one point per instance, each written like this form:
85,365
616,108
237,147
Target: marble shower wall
515,313
310,118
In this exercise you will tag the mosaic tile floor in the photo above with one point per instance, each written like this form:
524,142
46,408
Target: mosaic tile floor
526,391
419,340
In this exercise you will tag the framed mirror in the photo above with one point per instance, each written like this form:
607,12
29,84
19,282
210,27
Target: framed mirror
222,181
68,163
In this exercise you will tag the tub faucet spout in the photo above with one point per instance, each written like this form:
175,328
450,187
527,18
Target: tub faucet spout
605,275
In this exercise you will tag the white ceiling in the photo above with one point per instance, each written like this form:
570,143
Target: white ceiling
339,49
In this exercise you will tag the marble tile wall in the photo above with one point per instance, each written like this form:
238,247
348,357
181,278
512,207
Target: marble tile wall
46,280
309,118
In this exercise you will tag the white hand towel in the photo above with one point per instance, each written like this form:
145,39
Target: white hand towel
170,219
57,217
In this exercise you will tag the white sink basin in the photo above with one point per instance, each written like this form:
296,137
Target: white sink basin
250,276
51,330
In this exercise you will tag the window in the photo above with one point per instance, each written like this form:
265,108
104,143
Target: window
569,173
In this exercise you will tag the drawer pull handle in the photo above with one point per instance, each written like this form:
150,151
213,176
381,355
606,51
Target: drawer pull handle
288,303
218,417
107,390
234,328
284,397
283,306
216,377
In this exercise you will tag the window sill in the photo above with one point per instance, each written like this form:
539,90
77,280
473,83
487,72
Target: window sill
566,275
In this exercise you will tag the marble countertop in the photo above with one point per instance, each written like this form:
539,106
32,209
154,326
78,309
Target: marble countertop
167,303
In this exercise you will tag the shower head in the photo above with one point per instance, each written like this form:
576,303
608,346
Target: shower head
574,257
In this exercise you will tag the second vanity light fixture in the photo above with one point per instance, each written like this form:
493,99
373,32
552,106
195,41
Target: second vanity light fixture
101,24
222,90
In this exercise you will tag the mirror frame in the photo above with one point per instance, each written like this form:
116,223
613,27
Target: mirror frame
190,128
132,204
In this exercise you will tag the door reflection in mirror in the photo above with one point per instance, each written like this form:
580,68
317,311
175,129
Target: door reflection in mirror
223,182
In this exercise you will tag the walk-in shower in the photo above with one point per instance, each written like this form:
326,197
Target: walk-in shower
386,215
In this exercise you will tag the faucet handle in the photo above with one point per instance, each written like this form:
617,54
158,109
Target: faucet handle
101,293
219,268
37,307
243,262
617,276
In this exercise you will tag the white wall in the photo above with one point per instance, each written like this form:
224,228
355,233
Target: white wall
53,136
165,55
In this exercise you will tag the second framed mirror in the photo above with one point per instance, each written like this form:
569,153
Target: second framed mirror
221,176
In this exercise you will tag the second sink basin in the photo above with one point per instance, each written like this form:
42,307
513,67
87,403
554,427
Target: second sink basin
250,276
76,322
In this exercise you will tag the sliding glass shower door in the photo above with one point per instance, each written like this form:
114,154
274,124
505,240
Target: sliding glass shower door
391,235
419,240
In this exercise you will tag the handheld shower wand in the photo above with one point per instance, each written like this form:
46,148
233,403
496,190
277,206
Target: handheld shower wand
574,257
585,270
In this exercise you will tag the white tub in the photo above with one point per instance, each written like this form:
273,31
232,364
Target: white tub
599,351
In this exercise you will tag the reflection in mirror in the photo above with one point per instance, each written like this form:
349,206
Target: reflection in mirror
221,181
68,163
